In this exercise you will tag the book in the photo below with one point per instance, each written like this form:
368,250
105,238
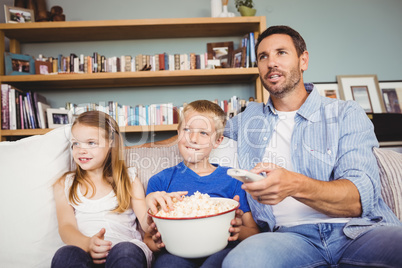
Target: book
31,111
17,109
5,112
253,61
12,111
22,115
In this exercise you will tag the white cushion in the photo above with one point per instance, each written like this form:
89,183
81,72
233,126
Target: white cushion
29,234
150,161
390,164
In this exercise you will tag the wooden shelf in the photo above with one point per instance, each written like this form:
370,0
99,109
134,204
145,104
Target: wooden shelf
128,129
132,79
82,31
73,31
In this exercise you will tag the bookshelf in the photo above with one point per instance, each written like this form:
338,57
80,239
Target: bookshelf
81,31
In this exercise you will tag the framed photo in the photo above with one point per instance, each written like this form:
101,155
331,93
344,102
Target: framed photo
43,67
58,117
222,51
18,64
42,110
239,58
329,90
364,89
392,96
18,14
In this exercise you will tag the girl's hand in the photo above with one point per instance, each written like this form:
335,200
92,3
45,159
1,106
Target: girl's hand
163,199
99,248
236,223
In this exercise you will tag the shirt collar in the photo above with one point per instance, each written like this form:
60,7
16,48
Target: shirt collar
307,109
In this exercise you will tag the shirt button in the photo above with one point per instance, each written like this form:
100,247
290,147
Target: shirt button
329,152
265,138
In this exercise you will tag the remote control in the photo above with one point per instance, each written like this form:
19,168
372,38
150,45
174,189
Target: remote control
244,175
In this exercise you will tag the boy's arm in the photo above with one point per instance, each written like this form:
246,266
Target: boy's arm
249,226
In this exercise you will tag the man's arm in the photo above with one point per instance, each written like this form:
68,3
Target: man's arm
338,198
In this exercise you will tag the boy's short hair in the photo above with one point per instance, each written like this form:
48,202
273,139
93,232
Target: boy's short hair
211,109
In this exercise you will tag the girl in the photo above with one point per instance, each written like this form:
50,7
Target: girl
98,203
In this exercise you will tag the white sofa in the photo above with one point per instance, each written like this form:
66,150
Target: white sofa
29,167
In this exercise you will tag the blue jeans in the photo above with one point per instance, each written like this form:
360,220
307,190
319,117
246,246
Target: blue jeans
319,245
124,254
164,259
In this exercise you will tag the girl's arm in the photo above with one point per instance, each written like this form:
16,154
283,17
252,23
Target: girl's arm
68,229
138,203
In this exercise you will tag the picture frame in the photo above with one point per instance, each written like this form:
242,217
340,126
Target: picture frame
392,96
18,64
329,90
239,57
352,87
42,110
222,51
58,117
43,67
18,14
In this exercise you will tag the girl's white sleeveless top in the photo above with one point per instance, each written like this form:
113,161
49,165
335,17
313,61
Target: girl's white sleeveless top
93,215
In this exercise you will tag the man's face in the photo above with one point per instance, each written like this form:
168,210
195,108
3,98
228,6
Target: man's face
281,70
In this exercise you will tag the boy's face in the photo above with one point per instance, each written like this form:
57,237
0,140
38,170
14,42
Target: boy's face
197,137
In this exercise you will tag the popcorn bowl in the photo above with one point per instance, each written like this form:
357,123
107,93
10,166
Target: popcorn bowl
196,237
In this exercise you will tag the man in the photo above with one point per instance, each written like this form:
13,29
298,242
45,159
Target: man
320,203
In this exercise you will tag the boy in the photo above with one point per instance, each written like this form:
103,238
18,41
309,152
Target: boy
200,130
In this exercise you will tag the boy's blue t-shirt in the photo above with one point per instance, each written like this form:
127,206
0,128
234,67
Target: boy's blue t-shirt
182,178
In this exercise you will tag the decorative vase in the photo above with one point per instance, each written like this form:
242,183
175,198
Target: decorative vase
216,8
246,11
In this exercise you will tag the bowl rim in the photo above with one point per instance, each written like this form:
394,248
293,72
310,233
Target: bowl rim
199,217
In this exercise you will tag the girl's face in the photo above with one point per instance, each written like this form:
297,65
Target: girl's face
90,148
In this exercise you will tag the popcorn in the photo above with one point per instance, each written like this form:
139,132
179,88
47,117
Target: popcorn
197,205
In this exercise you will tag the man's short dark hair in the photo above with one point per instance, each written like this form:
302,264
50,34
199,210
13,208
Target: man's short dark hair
298,40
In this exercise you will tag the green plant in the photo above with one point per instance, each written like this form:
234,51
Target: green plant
246,3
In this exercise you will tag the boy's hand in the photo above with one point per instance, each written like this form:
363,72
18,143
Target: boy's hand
236,223
163,199
99,247
153,231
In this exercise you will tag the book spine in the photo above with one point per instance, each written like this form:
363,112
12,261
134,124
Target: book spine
23,116
253,61
11,105
31,110
5,123
17,109
26,112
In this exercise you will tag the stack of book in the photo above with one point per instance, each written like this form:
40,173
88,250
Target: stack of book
126,63
127,115
248,43
22,110
152,114
28,110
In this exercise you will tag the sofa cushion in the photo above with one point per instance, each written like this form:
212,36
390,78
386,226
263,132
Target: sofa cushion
390,165
151,159
28,234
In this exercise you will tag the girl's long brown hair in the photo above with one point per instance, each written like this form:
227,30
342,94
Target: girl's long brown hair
114,166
